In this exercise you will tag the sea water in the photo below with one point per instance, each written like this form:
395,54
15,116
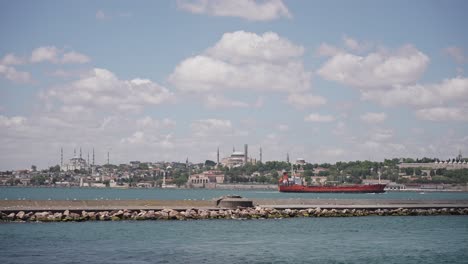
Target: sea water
32,193
390,239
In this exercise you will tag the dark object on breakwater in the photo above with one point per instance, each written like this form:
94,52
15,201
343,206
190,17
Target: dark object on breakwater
233,201
239,213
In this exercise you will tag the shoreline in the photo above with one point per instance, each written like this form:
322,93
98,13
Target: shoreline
227,187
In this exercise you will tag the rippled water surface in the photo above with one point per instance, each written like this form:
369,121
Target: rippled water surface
434,239
199,194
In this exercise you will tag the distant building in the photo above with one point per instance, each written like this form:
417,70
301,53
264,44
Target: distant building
300,161
75,164
449,165
206,179
237,158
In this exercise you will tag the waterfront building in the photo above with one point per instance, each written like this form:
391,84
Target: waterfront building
206,179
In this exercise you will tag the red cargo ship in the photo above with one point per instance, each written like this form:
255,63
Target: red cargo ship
287,185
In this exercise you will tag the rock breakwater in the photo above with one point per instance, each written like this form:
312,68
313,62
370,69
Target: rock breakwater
195,214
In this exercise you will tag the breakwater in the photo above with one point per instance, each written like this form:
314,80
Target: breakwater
239,213
225,208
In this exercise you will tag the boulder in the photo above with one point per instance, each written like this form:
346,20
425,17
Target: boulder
20,215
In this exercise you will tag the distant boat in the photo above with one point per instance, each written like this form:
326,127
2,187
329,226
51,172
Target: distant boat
285,184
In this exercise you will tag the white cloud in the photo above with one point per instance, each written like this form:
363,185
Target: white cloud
351,43
14,121
54,55
74,57
12,59
12,74
243,60
376,70
102,89
456,53
327,50
306,100
370,117
381,134
206,127
244,47
248,9
455,89
135,138
149,123
319,118
219,101
443,114
340,129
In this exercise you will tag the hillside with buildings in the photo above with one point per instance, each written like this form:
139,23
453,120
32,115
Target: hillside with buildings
240,168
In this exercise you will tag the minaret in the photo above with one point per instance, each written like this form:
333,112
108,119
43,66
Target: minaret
61,158
88,157
287,157
246,153
217,158
74,153
80,153
260,154
93,156
108,158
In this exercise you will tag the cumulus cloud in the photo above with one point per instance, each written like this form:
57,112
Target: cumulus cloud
219,101
12,59
376,70
74,57
319,118
381,134
370,117
247,9
243,47
301,101
443,114
12,74
54,55
327,50
102,89
206,127
449,90
14,121
456,53
243,60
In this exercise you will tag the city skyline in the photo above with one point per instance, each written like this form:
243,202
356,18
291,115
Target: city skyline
324,81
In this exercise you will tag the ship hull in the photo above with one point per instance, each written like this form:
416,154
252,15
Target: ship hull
372,188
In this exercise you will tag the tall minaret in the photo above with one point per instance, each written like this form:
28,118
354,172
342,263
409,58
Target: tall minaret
61,157
287,157
246,159
217,158
74,152
80,153
108,158
260,154
93,156
88,157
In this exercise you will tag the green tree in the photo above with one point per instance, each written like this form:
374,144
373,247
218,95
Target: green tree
210,163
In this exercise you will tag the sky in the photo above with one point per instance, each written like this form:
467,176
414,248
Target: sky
168,80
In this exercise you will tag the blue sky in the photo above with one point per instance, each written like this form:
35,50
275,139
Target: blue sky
166,80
